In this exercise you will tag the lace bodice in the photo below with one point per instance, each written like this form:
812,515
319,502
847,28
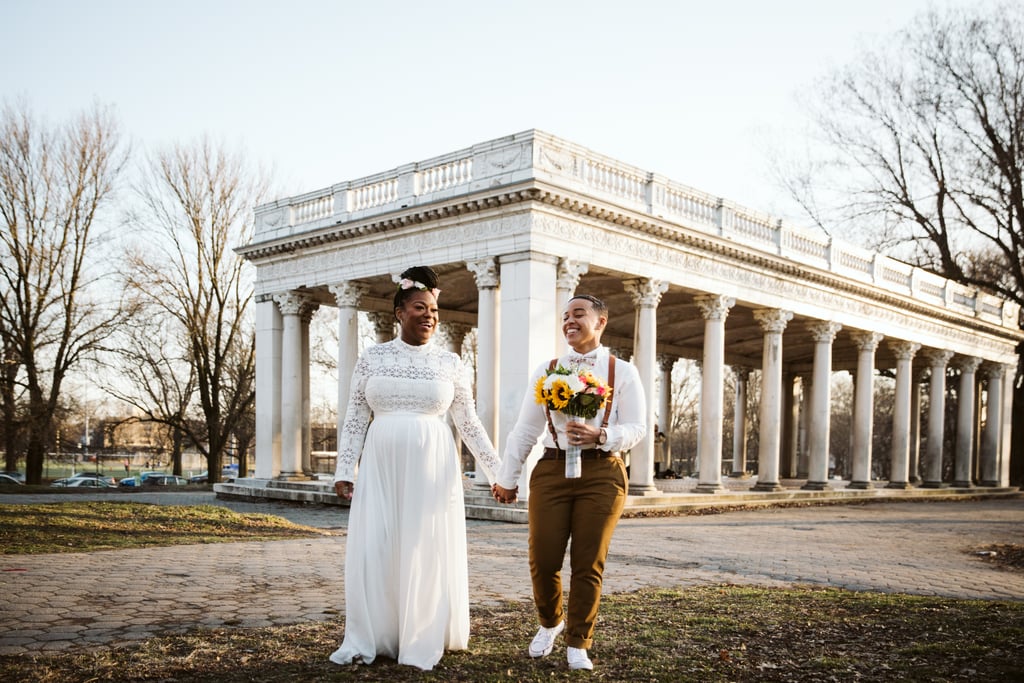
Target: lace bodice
395,377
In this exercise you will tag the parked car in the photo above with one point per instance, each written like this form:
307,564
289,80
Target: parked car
138,480
164,480
8,480
93,475
20,476
227,473
85,483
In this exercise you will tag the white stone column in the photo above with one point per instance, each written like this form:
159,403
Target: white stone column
1009,378
773,323
305,317
899,471
965,422
790,428
269,327
383,325
665,365
566,281
347,296
990,445
820,414
487,345
291,304
937,360
741,377
803,425
863,408
714,308
527,310
646,296
915,426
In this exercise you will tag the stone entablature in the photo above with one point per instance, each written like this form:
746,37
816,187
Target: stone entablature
533,165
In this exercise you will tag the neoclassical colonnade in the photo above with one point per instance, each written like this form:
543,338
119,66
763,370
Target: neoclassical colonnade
516,225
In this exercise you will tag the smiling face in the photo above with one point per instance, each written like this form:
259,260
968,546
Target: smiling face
418,317
582,325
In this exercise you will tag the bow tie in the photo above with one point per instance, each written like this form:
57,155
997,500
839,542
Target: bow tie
587,359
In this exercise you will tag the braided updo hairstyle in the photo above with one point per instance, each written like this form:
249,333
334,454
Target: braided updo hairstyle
424,279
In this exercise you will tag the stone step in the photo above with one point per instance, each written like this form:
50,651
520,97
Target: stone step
480,505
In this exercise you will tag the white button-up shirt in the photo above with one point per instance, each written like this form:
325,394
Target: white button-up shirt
626,424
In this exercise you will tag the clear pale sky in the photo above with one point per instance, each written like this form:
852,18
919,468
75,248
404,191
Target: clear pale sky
324,92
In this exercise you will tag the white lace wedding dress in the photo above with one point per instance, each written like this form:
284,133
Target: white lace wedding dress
406,577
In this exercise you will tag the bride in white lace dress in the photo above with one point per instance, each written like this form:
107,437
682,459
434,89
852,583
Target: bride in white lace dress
406,577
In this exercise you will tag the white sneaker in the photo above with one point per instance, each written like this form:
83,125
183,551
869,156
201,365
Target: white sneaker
578,658
545,640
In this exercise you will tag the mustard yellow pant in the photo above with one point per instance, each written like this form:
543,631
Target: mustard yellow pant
585,510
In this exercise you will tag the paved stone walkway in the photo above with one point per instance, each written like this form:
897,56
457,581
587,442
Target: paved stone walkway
52,602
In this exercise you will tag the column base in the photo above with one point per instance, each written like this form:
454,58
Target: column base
739,475
988,483
709,488
962,485
898,485
767,486
861,485
816,486
643,490
933,485
292,476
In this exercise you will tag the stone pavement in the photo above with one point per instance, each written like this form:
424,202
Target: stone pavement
56,602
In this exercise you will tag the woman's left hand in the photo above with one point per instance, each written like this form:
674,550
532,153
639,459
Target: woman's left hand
582,434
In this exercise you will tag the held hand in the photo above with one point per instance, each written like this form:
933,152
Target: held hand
344,489
504,495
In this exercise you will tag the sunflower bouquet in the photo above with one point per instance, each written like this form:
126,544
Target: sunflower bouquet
572,391
578,394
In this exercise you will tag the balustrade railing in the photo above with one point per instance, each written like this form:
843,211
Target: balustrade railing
518,158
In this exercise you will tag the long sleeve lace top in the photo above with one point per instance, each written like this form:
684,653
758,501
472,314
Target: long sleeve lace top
421,380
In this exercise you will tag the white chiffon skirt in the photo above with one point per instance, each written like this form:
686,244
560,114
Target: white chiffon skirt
406,577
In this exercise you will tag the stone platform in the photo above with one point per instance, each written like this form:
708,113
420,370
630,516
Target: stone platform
673,496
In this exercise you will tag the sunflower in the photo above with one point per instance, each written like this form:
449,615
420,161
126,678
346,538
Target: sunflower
539,393
560,394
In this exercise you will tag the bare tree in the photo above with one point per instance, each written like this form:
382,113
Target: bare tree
53,183
927,134
155,375
196,206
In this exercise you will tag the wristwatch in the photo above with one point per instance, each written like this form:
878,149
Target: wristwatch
602,437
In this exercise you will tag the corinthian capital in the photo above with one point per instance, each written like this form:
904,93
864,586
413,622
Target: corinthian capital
937,359
646,293
714,306
348,293
823,330
773,319
292,303
485,271
903,350
569,274
867,341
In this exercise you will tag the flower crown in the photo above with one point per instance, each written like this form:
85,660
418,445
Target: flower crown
406,283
